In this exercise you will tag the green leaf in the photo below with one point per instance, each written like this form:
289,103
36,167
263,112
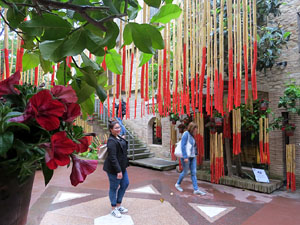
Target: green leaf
83,91
153,3
46,65
156,38
140,37
89,62
94,43
111,6
55,27
15,124
111,34
48,173
168,1
30,60
114,62
6,141
87,107
144,58
127,34
61,78
133,12
75,43
166,14
52,50
15,16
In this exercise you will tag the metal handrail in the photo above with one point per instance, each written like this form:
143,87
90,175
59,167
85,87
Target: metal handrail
105,118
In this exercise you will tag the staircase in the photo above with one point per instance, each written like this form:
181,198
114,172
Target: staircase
138,152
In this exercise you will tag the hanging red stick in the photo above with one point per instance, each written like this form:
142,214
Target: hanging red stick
201,79
53,76
216,89
124,68
230,80
131,70
246,73
113,107
253,75
6,63
208,96
197,90
193,94
135,103
36,75
184,68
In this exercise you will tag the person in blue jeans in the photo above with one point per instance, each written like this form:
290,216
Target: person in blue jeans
115,166
189,160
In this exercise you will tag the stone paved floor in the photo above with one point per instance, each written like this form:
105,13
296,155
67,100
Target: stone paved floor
152,199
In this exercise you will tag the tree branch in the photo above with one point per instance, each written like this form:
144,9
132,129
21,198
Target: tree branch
7,23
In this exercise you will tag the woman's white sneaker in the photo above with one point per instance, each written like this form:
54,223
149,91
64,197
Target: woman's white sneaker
177,186
122,209
116,213
198,192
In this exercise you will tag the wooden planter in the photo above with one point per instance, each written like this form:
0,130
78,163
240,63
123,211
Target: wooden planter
14,199
289,133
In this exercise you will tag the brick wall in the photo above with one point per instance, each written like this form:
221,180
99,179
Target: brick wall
274,82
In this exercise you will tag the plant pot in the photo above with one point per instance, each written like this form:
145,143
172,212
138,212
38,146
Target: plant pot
264,106
289,133
218,121
14,199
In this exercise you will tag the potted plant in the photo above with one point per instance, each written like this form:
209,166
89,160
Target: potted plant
289,129
218,119
264,104
37,131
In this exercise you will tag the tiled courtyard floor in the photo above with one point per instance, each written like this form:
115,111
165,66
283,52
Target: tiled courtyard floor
153,200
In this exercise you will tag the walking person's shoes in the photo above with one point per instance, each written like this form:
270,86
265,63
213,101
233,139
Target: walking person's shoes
177,186
122,209
116,213
198,192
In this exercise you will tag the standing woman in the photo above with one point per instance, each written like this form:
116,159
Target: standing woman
115,166
189,161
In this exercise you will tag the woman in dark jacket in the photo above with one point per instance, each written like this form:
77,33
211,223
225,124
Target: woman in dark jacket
115,166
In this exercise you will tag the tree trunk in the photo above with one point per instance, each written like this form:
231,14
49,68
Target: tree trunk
228,157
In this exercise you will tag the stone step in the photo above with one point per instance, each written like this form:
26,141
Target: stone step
137,151
155,163
141,155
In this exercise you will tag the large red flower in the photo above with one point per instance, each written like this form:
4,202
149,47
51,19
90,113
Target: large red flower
64,94
57,153
7,85
73,111
81,168
46,110
84,145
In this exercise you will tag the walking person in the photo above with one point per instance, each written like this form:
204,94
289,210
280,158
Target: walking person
189,161
115,166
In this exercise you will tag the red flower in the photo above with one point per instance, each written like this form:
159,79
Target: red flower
7,85
73,111
84,145
46,110
64,94
57,154
81,168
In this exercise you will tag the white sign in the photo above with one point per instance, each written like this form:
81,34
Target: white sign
260,175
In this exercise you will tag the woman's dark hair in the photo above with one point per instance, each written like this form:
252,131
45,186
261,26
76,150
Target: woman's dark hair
191,127
112,123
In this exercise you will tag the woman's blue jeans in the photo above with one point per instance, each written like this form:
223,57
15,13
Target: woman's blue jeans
117,188
192,165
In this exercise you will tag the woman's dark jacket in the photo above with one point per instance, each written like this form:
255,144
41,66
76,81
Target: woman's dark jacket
116,160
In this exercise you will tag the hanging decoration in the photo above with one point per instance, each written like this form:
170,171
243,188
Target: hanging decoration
158,127
173,140
216,157
291,167
236,130
264,140
199,120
